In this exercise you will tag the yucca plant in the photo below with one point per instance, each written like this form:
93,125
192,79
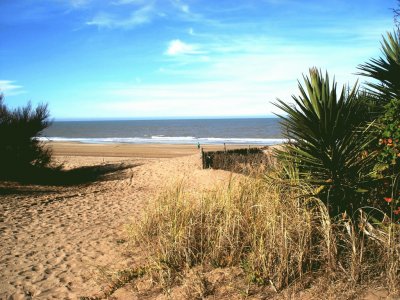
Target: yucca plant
385,70
328,140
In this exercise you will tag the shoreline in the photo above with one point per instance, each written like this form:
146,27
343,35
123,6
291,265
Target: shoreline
134,150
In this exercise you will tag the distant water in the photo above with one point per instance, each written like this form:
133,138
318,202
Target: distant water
205,131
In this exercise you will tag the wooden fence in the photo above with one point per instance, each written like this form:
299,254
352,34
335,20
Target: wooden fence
236,160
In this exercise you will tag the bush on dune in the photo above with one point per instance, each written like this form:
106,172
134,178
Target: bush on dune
24,158
20,148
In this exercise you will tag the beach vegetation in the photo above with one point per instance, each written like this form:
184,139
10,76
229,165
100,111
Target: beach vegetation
20,147
385,86
328,139
346,144
25,158
274,236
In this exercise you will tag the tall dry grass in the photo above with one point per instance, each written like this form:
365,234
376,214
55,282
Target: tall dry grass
276,233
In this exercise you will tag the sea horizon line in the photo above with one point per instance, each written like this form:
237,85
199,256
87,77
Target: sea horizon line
162,118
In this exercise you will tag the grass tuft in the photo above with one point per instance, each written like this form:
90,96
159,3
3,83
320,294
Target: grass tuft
275,233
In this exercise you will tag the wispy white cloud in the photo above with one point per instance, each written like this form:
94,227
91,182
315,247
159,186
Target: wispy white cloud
181,6
195,99
79,3
211,59
123,2
185,8
112,16
140,16
249,73
261,57
243,73
9,88
177,47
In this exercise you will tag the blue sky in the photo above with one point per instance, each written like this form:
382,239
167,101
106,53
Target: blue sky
179,58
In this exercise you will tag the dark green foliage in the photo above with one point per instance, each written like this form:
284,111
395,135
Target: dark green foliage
328,140
385,70
20,150
389,137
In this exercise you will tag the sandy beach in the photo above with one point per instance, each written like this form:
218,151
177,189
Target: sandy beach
55,239
133,150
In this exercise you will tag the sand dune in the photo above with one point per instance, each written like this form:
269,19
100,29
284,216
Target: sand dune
53,239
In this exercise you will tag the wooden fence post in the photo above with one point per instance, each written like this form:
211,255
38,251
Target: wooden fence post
202,158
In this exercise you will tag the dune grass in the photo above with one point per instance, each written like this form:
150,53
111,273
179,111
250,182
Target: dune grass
276,233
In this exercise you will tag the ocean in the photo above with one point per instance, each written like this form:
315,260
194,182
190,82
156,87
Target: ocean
256,131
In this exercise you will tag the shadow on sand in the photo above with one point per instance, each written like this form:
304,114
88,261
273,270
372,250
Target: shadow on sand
46,177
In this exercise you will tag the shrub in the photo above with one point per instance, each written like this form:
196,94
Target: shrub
20,149
386,89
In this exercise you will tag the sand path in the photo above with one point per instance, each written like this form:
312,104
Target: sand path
54,238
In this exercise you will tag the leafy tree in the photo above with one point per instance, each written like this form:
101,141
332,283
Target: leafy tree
20,148
329,140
